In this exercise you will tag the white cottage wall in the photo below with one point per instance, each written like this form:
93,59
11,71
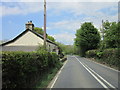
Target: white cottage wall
28,39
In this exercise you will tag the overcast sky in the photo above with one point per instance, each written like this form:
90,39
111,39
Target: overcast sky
63,17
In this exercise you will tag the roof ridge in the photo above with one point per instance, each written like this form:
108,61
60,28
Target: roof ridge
39,35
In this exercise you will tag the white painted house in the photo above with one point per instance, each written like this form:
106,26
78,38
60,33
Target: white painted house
29,40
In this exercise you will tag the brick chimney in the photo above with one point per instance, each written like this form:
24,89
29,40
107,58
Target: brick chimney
29,25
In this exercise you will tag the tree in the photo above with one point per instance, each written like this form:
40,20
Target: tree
111,37
87,38
51,38
41,32
105,27
66,49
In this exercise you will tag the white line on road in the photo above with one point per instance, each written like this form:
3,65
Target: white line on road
58,75
101,78
103,65
93,75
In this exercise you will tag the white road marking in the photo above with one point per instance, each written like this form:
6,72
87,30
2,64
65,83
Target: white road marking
58,75
101,78
103,65
95,76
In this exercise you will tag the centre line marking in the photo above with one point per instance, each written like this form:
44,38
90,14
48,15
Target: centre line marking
101,78
93,75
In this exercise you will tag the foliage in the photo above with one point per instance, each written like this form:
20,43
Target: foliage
69,49
47,78
41,32
109,51
110,35
61,55
112,38
91,53
109,56
66,49
51,38
23,69
87,38
106,25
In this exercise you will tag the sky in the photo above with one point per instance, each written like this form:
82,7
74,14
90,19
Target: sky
64,17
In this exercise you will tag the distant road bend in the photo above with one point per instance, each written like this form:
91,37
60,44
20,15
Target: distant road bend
80,72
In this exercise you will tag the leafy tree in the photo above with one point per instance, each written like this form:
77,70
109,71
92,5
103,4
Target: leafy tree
66,49
111,37
40,31
105,26
69,49
87,38
51,38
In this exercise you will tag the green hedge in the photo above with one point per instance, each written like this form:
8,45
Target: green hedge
91,53
24,69
109,56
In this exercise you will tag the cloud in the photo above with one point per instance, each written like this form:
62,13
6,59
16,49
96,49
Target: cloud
83,12
10,11
80,12
60,0
65,25
21,8
76,8
46,28
65,38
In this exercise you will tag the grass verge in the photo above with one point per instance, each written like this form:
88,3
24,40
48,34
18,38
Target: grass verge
46,79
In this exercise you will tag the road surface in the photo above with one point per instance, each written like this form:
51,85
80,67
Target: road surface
80,72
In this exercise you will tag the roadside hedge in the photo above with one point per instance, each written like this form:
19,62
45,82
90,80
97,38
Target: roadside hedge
24,69
109,56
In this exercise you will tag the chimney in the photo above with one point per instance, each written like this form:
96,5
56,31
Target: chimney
29,25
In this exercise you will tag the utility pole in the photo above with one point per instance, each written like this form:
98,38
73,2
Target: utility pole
102,30
45,24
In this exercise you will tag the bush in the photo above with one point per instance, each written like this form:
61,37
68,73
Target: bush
109,56
63,59
23,69
91,53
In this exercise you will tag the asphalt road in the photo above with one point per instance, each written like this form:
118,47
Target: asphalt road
80,72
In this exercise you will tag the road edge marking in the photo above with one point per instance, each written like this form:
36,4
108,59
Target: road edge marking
103,65
101,77
58,75
93,74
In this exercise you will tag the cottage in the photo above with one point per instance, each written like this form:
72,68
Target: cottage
28,41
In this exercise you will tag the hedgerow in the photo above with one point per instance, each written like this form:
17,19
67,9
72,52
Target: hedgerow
109,56
24,69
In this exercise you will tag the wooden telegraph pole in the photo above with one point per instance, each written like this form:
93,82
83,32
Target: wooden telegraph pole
102,30
45,24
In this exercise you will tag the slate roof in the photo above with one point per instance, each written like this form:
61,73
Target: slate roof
40,36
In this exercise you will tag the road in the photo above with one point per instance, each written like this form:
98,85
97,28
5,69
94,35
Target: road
80,72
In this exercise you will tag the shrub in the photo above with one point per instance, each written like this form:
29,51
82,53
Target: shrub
23,69
109,56
99,54
91,53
